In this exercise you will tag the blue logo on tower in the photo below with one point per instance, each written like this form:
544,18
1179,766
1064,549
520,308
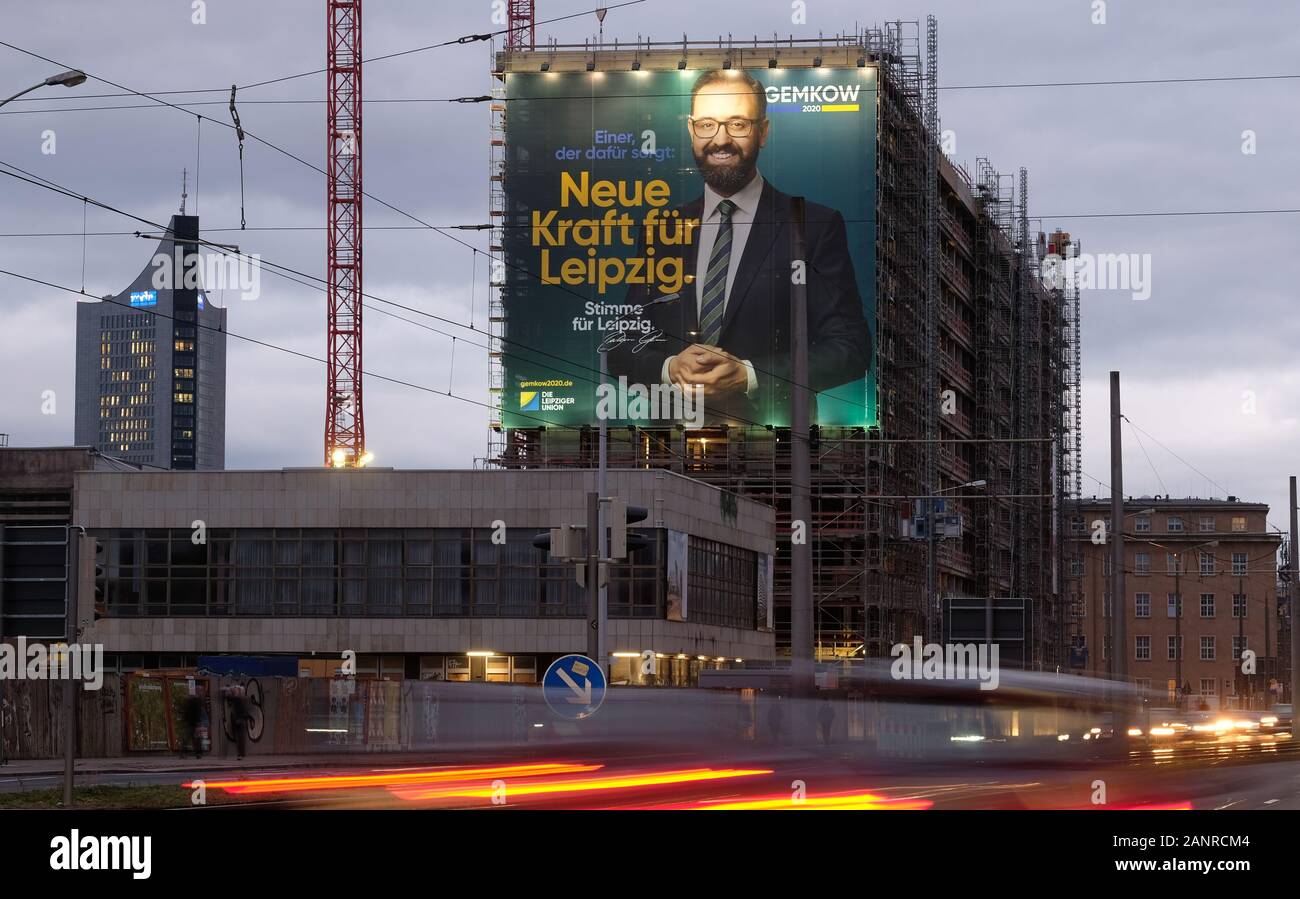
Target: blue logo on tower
144,298
574,687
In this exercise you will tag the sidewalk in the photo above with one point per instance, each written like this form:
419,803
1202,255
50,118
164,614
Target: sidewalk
163,763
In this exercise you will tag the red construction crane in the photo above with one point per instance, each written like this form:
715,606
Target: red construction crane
522,21
345,435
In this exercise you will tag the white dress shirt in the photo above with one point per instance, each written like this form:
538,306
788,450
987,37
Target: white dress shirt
742,220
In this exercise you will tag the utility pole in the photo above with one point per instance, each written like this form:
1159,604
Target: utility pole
593,577
801,631
1293,562
1118,606
602,599
70,592
2,586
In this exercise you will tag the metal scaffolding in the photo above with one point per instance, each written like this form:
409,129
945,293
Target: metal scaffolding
960,316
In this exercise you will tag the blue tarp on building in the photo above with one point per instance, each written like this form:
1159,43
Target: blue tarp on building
250,666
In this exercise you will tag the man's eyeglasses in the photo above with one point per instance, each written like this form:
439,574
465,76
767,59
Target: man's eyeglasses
706,128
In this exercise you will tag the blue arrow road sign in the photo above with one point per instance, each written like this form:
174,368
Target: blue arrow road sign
574,686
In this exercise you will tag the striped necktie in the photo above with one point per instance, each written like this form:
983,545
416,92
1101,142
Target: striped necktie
714,295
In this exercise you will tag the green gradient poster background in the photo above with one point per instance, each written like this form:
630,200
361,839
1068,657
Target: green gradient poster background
630,129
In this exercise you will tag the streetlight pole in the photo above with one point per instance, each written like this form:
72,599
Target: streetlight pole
602,549
802,664
70,78
1118,606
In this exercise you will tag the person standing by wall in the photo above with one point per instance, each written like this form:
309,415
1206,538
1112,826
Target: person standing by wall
191,713
237,714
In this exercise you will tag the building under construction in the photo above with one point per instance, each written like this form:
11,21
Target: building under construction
977,365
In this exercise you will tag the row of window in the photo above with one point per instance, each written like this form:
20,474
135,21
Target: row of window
1174,564
1173,648
418,572
1208,605
141,362
1209,687
1174,524
128,320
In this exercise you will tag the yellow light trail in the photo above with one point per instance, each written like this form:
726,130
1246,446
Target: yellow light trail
581,785
346,781
829,802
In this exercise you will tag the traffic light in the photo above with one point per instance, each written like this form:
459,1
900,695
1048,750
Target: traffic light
564,542
620,516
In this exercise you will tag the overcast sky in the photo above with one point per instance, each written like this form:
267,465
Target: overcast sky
1214,337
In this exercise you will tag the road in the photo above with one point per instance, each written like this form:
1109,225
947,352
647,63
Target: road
760,780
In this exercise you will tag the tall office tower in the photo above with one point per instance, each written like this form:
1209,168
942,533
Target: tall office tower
151,363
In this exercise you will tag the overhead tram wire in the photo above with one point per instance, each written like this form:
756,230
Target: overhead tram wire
321,171
288,273
1117,82
275,268
283,349
436,229
274,346
485,227
439,230
413,217
463,39
532,275
960,87
484,98
1178,457
367,194
307,356
1142,446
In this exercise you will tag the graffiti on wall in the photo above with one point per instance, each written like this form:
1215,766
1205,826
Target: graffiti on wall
254,711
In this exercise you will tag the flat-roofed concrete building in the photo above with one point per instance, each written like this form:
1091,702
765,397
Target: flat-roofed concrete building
1220,557
428,574
35,514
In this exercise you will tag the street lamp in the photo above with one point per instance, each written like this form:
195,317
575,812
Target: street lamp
70,78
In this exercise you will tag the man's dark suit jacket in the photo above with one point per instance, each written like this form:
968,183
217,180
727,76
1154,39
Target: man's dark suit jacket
756,324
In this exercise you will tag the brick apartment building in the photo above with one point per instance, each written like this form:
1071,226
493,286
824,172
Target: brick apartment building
1220,557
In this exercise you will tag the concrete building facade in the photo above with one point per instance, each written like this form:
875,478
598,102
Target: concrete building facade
429,574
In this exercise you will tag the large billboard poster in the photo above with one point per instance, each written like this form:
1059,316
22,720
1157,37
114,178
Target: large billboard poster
648,214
